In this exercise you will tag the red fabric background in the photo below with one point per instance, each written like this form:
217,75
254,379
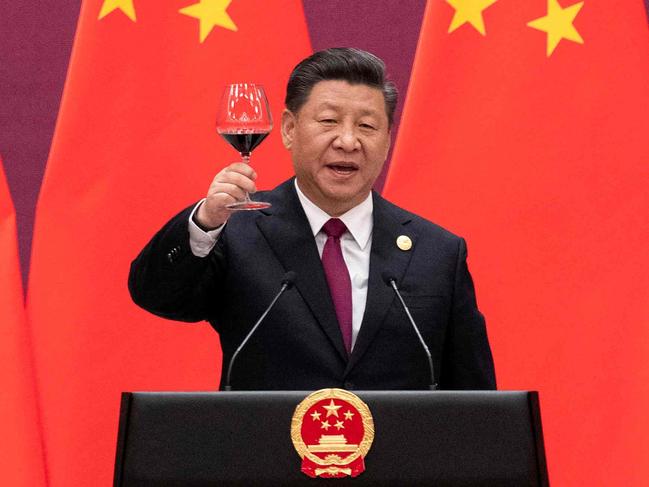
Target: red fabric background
21,454
135,142
542,164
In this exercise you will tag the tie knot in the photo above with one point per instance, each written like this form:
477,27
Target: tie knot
334,228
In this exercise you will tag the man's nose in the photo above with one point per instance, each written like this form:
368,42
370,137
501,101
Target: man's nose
347,139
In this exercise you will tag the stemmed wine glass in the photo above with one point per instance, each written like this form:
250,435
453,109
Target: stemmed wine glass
244,121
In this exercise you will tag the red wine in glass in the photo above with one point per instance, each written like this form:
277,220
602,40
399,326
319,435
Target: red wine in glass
244,142
244,121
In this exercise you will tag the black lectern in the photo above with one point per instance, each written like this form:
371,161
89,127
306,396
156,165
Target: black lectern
434,438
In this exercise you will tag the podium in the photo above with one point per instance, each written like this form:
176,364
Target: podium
433,438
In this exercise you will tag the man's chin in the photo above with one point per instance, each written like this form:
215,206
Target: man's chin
334,196
344,199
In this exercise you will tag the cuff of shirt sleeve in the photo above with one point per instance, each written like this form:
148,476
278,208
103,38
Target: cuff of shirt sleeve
200,241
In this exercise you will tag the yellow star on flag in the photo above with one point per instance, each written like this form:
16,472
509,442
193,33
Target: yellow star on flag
332,409
210,13
315,415
125,6
469,11
558,24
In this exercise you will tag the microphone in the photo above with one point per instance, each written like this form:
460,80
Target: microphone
392,282
287,282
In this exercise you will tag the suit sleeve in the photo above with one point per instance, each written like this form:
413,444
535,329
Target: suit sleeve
467,359
167,279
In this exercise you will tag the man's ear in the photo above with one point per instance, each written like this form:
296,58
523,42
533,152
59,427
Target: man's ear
288,128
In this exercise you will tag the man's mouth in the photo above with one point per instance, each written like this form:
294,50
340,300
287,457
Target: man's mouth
343,168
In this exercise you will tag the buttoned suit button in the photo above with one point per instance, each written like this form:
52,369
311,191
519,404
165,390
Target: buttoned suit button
348,385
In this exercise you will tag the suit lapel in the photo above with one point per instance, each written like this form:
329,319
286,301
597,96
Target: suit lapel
386,258
288,233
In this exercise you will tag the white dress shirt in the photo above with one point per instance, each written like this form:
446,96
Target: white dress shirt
356,244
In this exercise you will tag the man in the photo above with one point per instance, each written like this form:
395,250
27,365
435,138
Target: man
341,325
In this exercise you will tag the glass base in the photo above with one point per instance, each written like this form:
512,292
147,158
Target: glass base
248,205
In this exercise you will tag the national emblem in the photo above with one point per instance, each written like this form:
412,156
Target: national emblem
339,453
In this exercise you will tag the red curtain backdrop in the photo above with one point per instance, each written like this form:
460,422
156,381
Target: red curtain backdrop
21,455
541,160
134,144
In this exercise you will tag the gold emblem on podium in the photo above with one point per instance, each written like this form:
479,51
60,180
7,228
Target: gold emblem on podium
332,431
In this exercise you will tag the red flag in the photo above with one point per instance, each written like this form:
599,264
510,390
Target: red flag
135,143
525,130
21,455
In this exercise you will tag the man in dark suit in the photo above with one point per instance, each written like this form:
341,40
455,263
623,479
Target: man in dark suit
340,325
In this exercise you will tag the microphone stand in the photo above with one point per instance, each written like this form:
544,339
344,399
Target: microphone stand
392,283
287,282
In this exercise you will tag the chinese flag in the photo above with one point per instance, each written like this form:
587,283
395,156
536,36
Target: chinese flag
135,143
21,455
526,131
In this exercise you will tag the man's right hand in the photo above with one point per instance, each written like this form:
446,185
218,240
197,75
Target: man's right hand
228,186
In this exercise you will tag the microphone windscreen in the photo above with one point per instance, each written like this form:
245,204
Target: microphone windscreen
388,278
289,279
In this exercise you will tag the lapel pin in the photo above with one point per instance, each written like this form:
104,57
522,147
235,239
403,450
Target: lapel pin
404,242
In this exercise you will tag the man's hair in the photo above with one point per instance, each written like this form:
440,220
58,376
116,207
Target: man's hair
340,63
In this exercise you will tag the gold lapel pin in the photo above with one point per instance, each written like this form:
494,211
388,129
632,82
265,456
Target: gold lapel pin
404,242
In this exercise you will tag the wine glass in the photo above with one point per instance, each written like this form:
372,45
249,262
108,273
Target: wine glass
244,121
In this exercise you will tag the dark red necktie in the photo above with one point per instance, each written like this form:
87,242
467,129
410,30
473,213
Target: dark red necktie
338,279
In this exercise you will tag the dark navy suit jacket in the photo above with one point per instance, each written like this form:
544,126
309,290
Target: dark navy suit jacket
299,346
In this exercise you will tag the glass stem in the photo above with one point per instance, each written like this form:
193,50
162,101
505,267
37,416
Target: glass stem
245,156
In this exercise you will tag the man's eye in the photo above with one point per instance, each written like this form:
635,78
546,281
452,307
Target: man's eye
328,120
367,126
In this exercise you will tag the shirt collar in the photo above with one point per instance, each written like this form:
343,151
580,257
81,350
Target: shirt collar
358,220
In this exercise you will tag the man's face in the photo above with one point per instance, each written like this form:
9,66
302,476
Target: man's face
339,140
